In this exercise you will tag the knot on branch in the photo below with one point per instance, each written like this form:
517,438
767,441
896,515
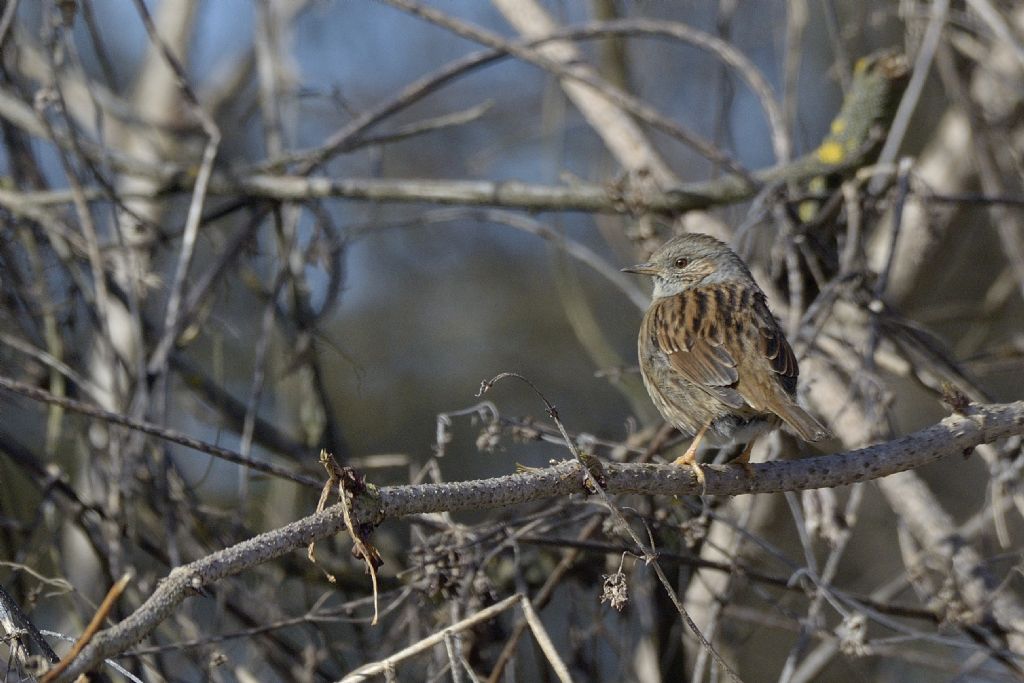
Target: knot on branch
954,399
363,509
187,578
362,500
596,470
965,414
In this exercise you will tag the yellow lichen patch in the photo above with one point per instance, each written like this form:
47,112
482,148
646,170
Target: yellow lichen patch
806,211
838,126
830,152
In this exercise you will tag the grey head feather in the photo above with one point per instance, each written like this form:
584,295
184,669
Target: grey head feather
707,261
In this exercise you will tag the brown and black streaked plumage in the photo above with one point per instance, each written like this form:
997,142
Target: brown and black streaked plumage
712,356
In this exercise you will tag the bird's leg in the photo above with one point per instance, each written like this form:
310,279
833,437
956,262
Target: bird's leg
743,459
689,458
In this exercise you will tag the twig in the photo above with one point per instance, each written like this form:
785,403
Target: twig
367,670
94,626
17,624
172,318
631,104
172,435
544,640
908,103
543,595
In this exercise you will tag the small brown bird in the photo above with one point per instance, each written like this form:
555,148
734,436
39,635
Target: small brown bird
711,354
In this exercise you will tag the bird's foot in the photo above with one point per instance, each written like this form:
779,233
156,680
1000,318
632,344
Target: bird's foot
747,467
689,459
743,460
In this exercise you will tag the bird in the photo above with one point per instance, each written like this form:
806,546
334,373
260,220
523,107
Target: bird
712,356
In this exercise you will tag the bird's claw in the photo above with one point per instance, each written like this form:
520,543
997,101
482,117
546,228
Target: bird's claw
743,460
689,459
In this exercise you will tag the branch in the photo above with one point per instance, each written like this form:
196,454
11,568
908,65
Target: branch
957,434
867,108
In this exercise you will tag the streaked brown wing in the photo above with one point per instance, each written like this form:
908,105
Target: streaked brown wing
768,375
685,328
773,345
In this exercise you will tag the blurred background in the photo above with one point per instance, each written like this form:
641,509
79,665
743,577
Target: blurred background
156,265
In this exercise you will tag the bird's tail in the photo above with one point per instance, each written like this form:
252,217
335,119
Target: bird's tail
803,423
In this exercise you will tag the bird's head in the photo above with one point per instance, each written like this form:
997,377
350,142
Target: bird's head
689,261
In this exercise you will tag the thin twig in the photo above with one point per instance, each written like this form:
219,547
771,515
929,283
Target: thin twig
368,670
93,627
172,435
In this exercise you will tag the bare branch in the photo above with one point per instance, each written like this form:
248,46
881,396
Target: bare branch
955,435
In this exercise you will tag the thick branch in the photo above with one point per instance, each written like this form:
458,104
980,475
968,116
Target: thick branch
510,194
955,435
866,108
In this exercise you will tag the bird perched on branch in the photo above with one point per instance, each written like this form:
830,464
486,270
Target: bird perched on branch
713,358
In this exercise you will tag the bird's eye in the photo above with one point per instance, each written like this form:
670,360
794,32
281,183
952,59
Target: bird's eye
682,262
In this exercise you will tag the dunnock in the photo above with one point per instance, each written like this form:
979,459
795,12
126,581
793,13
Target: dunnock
711,354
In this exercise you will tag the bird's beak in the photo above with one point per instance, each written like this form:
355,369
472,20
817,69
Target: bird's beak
641,269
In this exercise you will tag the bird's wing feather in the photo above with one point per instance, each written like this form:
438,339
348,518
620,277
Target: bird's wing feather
685,330
773,346
774,364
